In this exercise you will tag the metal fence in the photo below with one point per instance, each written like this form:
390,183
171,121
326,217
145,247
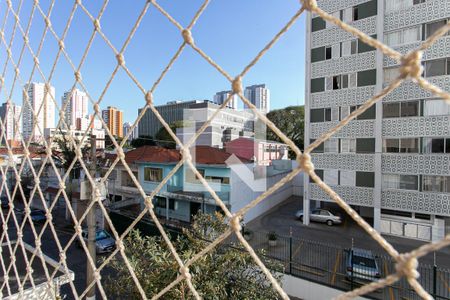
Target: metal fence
331,266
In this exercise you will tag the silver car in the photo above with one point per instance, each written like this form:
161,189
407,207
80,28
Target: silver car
103,241
322,216
362,265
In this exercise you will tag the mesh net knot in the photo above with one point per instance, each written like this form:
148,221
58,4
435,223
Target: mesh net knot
148,202
304,161
61,45
236,85
120,153
149,97
5,227
184,271
186,154
26,40
47,22
411,65
36,60
235,223
97,108
77,76
38,243
78,229
187,36
119,245
78,2
120,59
407,266
62,255
62,186
97,25
309,4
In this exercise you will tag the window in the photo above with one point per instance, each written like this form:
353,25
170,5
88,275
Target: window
345,81
327,52
365,145
365,10
160,202
436,107
403,182
337,82
317,24
403,36
401,109
418,1
363,47
436,67
436,145
389,74
353,46
327,114
218,179
348,145
431,28
191,177
319,173
369,114
153,174
365,179
391,110
318,149
407,145
439,184
366,78
317,54
317,85
391,145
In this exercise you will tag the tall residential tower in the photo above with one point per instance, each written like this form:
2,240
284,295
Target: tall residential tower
114,119
259,96
39,110
392,163
76,107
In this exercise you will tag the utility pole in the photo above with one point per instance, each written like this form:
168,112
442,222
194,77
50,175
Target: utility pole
91,222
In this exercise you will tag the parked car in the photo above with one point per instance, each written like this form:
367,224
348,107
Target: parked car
37,216
104,242
361,265
321,215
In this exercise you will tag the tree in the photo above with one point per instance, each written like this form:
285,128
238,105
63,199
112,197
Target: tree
291,121
224,273
142,141
163,137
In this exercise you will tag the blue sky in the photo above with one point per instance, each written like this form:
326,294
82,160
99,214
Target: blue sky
230,31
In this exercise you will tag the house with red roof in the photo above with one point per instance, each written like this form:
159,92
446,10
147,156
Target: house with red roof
182,195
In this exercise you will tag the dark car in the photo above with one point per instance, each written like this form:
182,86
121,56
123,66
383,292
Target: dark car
362,265
36,215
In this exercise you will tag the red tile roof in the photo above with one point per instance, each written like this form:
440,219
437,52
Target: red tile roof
203,155
152,154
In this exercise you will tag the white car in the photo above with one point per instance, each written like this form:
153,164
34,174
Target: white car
322,216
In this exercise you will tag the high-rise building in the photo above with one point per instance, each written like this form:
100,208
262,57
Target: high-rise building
127,127
259,96
391,163
85,123
76,107
39,110
220,97
10,116
114,120
172,111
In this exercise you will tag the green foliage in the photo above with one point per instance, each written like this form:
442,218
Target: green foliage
223,273
164,138
291,121
143,141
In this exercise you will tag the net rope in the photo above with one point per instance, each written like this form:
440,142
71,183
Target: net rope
411,69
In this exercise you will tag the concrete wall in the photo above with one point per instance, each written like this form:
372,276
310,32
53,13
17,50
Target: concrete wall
242,193
307,290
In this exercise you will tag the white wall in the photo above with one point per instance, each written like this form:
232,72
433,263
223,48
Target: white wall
308,290
242,194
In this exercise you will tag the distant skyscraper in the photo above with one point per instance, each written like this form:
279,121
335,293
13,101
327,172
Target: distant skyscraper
259,96
10,115
40,110
127,128
76,107
114,120
220,97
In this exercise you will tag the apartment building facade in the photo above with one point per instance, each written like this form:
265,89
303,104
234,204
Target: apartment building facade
113,117
10,116
75,104
258,95
392,163
38,109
